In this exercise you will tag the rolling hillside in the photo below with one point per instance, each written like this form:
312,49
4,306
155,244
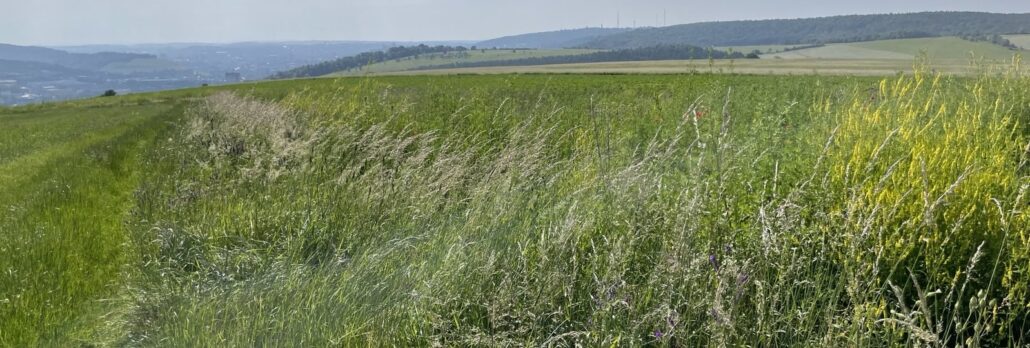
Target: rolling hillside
34,74
551,39
16,69
949,55
91,61
820,30
943,48
253,60
415,211
889,36
1020,40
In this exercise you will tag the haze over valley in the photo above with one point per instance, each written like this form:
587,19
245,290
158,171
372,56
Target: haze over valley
35,74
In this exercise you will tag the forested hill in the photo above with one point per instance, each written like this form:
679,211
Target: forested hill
65,59
820,30
551,39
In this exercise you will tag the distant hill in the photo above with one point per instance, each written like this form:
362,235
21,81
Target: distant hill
35,74
424,57
551,39
937,49
83,61
835,29
20,70
253,60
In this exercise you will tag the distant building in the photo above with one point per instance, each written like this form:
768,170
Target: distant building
233,77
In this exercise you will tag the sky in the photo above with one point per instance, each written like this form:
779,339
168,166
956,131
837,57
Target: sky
75,22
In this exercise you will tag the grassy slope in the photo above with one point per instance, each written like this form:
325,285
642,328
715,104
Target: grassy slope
67,174
941,49
537,215
1020,40
885,57
504,210
354,232
441,59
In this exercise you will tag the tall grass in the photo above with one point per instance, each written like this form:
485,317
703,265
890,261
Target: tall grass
530,211
66,183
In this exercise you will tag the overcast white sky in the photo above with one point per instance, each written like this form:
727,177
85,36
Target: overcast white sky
68,22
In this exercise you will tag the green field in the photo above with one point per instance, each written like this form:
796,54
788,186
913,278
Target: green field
438,60
1020,40
523,210
937,49
872,58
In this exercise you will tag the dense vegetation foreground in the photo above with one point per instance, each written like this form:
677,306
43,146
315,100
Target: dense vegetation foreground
691,210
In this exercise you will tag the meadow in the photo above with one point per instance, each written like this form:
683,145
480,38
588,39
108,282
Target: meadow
1022,41
951,55
524,210
939,49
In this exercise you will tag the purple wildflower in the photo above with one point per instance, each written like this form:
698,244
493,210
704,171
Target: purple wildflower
658,334
715,315
714,261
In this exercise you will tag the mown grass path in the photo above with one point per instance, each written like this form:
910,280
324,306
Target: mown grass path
67,176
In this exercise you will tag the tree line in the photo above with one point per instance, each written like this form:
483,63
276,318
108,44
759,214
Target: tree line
363,59
994,39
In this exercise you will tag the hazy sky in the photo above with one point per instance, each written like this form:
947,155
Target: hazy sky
64,22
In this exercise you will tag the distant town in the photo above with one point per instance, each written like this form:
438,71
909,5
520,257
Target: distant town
37,74
16,92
